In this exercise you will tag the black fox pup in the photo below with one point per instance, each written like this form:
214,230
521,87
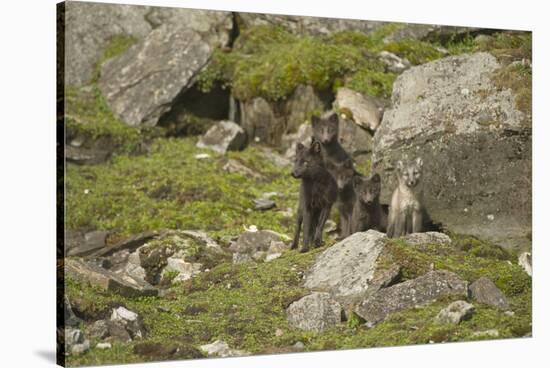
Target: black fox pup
344,173
317,194
326,131
368,213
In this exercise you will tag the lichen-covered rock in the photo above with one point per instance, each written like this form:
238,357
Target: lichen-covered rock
89,27
224,136
88,243
258,245
345,269
485,291
455,312
394,63
315,312
429,237
185,270
474,142
141,84
131,321
410,293
364,109
75,342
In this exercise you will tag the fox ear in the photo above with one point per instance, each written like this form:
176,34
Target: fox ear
315,147
419,162
315,120
333,118
375,178
400,165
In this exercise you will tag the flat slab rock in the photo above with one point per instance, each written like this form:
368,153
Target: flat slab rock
107,280
410,293
345,270
314,312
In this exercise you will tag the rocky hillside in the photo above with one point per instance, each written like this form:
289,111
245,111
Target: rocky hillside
180,133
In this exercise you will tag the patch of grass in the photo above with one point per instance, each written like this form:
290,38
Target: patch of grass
518,78
509,46
270,62
116,46
196,194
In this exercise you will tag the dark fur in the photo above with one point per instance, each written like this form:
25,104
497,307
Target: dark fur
344,173
368,213
317,195
326,132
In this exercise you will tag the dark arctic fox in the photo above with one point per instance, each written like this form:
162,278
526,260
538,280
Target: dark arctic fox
325,130
317,194
344,173
368,213
407,213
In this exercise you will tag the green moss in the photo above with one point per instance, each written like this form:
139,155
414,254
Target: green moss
518,78
270,62
116,46
371,82
417,52
169,188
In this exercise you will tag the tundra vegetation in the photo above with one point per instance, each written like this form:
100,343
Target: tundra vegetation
155,181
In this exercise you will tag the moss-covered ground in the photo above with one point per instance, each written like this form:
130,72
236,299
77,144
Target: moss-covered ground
167,187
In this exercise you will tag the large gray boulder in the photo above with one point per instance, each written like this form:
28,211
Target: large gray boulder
365,111
91,26
315,312
408,294
88,29
141,84
346,269
475,144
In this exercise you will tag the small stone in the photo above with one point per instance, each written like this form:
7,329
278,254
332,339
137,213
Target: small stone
509,313
99,329
202,156
263,204
80,348
272,256
490,217
486,333
465,91
103,345
279,332
224,136
298,345
221,349
485,291
455,313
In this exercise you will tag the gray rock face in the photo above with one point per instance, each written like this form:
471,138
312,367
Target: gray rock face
345,270
224,136
355,140
364,109
407,294
89,27
267,121
524,260
213,26
310,25
140,84
455,312
474,143
107,280
315,312
485,291
258,245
